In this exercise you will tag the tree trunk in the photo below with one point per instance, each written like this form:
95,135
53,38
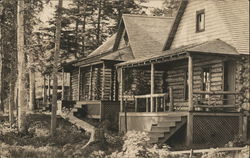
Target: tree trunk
99,23
11,102
44,91
1,64
32,86
48,89
21,68
55,68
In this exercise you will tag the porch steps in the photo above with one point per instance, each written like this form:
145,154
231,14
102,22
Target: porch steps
166,128
81,108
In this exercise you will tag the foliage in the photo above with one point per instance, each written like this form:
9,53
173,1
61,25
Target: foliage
86,24
169,8
38,135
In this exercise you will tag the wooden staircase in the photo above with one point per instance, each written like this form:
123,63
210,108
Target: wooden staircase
89,109
166,128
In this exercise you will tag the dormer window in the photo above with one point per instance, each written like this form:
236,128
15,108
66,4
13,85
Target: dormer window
200,21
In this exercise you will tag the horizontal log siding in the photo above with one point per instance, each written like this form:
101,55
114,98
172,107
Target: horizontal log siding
175,77
74,85
96,84
145,77
85,84
107,83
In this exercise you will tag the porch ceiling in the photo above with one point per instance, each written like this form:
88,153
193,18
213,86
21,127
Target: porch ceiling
217,46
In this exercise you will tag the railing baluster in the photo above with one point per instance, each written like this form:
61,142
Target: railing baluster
146,104
164,103
136,104
156,104
171,99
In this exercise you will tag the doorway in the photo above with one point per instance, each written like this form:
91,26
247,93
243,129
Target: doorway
229,81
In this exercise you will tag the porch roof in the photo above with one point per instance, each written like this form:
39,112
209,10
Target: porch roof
123,54
210,47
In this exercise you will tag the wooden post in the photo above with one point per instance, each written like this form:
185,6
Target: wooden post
103,80
90,83
190,103
190,84
189,139
63,90
79,83
244,128
121,95
171,99
152,87
136,104
156,104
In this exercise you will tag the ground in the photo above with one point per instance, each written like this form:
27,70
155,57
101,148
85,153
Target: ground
37,142
69,142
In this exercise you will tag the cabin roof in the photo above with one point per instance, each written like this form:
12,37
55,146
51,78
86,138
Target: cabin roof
146,34
123,54
235,15
212,47
105,47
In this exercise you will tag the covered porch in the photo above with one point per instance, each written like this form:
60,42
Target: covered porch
180,84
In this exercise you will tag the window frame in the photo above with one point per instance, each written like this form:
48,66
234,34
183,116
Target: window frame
198,13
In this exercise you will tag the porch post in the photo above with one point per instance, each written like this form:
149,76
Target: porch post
190,84
79,82
121,93
103,80
90,82
152,87
190,103
62,84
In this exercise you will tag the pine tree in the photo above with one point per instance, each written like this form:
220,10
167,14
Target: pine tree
21,68
55,68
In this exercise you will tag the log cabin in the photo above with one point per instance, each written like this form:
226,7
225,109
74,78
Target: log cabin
93,80
197,88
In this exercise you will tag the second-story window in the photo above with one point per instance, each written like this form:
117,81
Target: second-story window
200,20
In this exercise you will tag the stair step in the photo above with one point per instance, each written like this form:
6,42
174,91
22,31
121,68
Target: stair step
160,129
172,118
78,105
153,140
166,124
153,134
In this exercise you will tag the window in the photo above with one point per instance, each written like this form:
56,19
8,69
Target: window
200,21
206,79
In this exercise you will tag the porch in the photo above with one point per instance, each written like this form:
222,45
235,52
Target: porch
177,86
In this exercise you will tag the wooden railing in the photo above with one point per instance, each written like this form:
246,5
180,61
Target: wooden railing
151,102
215,99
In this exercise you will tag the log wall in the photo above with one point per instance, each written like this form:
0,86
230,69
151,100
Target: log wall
175,76
74,84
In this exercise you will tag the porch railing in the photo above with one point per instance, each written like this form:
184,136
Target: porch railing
215,99
142,103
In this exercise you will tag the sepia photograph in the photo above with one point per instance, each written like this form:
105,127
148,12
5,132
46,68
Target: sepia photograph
124,79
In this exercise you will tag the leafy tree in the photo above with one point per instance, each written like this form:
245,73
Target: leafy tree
169,8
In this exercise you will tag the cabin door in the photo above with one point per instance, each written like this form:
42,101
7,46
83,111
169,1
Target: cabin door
229,81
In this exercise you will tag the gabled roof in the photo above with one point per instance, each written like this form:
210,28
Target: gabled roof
234,14
146,34
105,47
210,47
